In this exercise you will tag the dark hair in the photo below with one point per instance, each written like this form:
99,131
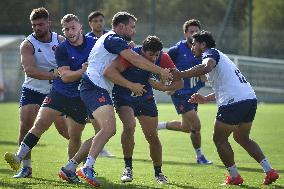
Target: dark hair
39,13
69,18
191,22
206,37
152,43
94,14
122,17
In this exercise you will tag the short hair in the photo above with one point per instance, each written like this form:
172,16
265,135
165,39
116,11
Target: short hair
191,22
152,43
206,37
69,18
39,13
95,14
122,17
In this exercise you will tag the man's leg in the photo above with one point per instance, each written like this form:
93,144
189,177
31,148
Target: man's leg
61,126
43,121
149,128
28,114
241,136
126,115
75,132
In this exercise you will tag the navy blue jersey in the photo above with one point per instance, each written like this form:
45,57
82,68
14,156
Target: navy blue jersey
138,75
184,59
72,56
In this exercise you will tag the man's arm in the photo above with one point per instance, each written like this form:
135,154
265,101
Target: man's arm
200,99
175,85
113,73
207,66
68,75
145,64
29,63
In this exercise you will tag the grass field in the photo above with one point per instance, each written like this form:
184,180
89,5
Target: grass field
178,154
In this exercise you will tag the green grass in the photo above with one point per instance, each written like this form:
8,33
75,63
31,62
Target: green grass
178,155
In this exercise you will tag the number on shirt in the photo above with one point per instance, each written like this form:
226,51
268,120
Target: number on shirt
240,76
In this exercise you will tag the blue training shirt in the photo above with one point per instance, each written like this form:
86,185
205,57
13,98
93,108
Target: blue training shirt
184,59
72,56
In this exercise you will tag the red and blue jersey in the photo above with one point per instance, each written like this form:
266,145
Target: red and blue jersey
184,59
138,75
72,56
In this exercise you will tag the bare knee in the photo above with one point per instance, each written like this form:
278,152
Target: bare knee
241,140
152,138
219,141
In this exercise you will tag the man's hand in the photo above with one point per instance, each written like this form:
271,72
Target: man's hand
84,66
176,74
165,75
137,89
198,98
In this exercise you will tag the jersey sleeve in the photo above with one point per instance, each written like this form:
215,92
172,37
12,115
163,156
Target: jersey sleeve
61,56
115,44
166,61
173,52
211,53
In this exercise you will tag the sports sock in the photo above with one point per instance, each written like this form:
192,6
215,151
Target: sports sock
265,165
198,152
90,162
27,163
71,165
233,171
162,125
27,144
128,162
158,170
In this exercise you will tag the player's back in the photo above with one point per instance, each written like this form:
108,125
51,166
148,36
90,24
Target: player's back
229,84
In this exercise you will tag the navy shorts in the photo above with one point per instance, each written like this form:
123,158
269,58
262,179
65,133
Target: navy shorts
181,103
29,96
140,108
239,112
70,106
94,96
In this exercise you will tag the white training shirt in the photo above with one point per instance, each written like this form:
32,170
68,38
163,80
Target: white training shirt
45,61
228,83
106,49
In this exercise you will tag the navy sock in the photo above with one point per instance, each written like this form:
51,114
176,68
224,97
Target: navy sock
128,162
30,140
158,170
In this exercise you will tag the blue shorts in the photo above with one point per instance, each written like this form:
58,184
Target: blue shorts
239,112
181,103
29,96
141,108
93,96
70,106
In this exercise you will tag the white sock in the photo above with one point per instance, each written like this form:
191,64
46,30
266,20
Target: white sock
23,150
198,152
162,125
27,163
265,165
90,162
233,171
71,165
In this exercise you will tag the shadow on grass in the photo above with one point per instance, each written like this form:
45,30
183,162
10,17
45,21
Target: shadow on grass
175,185
15,185
10,143
250,169
7,171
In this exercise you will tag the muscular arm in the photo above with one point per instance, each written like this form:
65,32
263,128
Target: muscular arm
29,63
113,73
207,65
68,75
145,64
175,85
